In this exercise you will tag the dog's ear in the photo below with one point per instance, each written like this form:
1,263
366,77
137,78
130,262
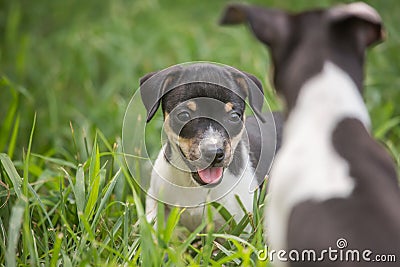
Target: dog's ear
146,77
360,17
256,98
270,26
151,97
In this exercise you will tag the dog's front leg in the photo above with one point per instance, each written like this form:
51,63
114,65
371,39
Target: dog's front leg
151,209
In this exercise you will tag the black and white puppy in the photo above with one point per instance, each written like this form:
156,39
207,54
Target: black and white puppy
207,155
330,179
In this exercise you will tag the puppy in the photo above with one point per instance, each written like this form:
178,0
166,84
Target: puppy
331,181
206,156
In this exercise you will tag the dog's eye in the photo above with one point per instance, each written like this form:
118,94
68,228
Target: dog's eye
183,116
234,117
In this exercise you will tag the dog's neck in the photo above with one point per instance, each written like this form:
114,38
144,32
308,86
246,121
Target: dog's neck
290,79
326,99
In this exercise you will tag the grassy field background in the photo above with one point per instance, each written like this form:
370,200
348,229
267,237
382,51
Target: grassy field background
67,72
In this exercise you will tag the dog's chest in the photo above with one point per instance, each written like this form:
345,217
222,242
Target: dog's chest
307,167
193,216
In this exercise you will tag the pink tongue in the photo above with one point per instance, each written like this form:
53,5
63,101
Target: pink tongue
211,175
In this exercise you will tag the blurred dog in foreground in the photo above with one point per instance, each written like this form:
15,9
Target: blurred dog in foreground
331,180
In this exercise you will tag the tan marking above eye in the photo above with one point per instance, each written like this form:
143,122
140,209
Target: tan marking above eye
191,105
228,106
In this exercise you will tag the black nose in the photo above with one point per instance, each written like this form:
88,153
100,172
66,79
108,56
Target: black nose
214,155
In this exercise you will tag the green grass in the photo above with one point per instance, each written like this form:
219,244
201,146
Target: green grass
67,72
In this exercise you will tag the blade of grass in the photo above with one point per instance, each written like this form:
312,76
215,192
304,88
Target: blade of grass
160,223
94,166
237,230
234,238
13,137
172,222
191,237
6,193
66,260
56,250
17,214
88,233
104,140
12,173
245,211
106,197
385,127
133,249
10,116
225,214
241,225
77,157
228,253
35,249
41,205
59,162
113,233
3,238
94,194
80,195
26,237
208,238
258,208
94,182
126,230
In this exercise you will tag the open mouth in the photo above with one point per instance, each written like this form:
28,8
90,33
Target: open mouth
209,176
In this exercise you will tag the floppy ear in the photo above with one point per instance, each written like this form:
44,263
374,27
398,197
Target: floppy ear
150,97
146,77
270,26
152,91
364,19
256,100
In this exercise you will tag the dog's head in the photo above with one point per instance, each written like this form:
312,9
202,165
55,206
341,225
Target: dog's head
203,120
300,43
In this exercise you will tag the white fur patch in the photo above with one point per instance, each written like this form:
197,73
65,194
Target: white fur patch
307,166
212,137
